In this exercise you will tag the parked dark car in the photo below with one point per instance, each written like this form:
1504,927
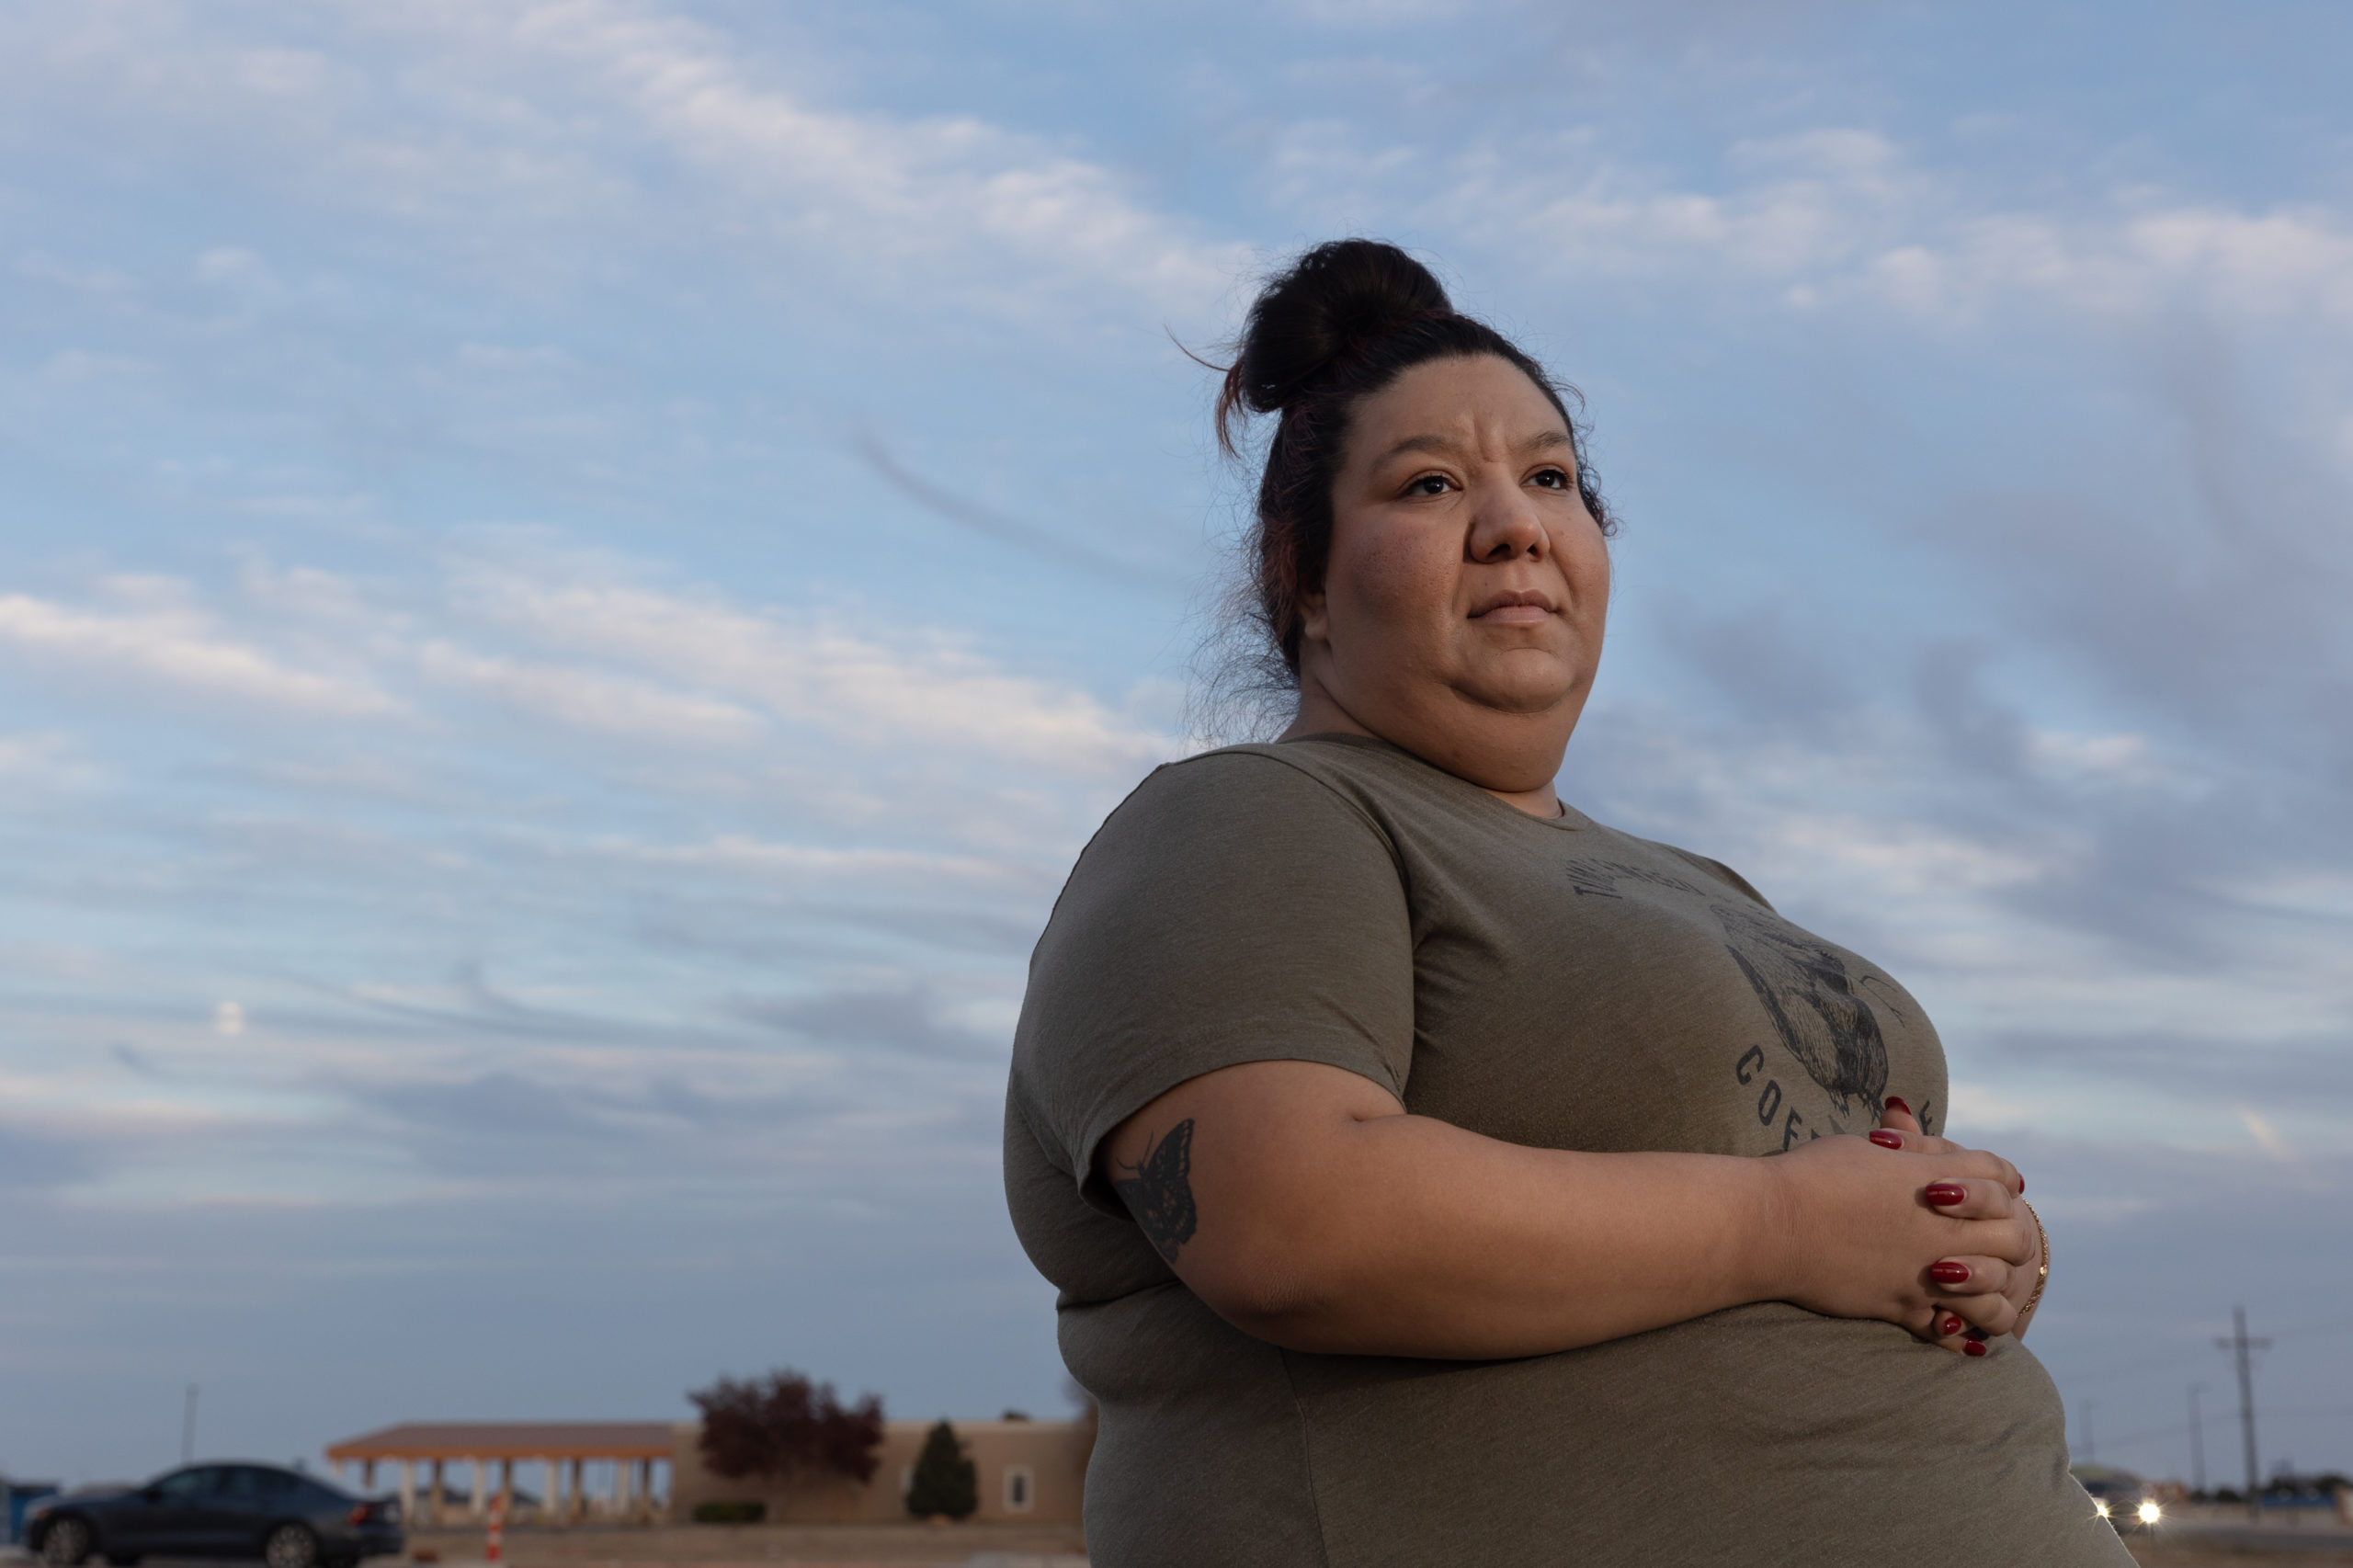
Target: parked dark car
286,1519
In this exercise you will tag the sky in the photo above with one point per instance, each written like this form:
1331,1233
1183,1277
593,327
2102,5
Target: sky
577,572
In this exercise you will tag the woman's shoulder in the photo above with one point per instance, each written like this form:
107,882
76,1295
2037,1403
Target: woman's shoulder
1236,803
1295,781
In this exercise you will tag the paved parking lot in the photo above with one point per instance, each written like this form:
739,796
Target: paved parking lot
1019,1546
773,1546
2212,1548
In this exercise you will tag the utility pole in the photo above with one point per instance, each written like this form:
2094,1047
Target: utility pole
187,1429
2238,1344
2197,1442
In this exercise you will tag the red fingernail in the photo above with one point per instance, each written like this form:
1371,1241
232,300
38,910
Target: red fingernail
1887,1139
1975,1347
1951,1325
2021,1186
1896,1102
1945,1194
1948,1273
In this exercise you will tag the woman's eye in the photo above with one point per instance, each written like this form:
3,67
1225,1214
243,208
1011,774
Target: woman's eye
1429,485
1554,479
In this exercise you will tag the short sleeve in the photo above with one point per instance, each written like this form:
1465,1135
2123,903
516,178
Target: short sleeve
1233,909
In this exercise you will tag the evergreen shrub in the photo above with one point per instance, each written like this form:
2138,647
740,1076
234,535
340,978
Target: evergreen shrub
945,1481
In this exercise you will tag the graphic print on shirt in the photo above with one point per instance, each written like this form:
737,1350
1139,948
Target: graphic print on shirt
1815,1004
1599,878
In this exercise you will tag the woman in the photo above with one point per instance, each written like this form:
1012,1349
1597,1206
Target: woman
1391,1129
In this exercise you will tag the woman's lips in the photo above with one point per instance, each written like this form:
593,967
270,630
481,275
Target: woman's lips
1520,607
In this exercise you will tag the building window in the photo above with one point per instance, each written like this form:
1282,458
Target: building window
1020,1488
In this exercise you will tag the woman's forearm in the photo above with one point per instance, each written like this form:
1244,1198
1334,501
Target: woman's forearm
1412,1237
1303,1205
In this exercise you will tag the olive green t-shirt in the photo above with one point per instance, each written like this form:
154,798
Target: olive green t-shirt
1555,983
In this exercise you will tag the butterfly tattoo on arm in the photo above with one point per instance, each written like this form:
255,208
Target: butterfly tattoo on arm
1159,1194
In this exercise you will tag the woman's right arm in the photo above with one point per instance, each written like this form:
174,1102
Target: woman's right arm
1306,1207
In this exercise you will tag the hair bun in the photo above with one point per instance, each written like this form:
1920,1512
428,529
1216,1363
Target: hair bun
1335,300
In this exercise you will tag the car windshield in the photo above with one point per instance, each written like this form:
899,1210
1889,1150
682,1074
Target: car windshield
184,1484
253,1480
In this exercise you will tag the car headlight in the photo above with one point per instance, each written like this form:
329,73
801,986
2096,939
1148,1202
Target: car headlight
2101,1504
2150,1512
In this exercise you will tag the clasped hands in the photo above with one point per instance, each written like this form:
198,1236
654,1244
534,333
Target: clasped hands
1942,1245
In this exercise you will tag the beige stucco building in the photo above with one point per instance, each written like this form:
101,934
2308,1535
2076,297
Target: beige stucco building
446,1473
1029,1470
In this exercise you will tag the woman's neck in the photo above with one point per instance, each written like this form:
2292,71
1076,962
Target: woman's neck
1319,715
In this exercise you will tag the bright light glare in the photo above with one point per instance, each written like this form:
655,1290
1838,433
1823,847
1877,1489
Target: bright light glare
2150,1512
2101,1504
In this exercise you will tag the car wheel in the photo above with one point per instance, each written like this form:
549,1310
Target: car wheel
66,1542
291,1546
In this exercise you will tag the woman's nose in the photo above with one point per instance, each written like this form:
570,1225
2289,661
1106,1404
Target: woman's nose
1505,526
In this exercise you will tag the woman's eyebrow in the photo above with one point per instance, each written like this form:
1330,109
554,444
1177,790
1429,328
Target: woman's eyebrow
1445,446
1440,446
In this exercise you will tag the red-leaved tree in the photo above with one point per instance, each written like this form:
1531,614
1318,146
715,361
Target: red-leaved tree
782,1425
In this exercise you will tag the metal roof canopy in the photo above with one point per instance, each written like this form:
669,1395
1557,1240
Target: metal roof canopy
512,1439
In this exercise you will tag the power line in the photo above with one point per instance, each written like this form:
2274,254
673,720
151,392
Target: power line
2239,1345
2177,1358
2291,1413
2197,1442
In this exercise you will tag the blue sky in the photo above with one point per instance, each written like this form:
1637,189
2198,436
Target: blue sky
578,573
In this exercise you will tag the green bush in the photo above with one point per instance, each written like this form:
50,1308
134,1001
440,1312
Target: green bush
730,1513
944,1481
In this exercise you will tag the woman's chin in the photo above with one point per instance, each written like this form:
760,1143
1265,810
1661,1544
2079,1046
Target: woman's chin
1524,696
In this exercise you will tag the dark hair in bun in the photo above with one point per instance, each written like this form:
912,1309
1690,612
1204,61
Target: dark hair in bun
1347,318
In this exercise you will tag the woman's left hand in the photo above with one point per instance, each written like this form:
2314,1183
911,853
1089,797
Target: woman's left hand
1993,1299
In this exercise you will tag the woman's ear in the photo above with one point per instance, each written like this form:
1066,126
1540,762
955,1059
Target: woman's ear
1315,623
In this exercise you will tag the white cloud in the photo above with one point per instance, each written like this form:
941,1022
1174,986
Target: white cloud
2121,760
876,188
590,699
468,118
2263,1132
920,690
43,762
802,862
167,645
582,644
1840,212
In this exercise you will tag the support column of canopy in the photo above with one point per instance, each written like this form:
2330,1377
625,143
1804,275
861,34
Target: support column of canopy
506,1487
478,1488
573,1501
620,1490
440,1491
408,1493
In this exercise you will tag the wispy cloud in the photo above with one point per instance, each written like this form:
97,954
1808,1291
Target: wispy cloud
799,668
430,112
176,646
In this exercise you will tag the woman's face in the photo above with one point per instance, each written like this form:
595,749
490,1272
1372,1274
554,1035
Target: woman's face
1461,610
